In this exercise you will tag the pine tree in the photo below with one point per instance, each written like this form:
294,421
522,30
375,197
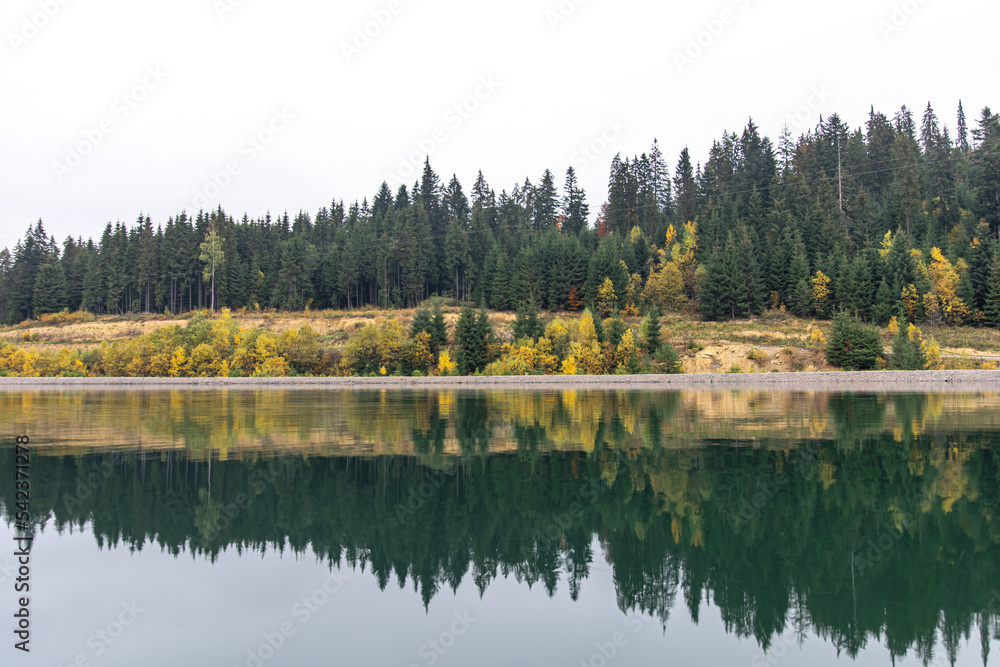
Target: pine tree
575,211
438,330
649,330
685,188
49,293
962,140
501,287
852,345
885,304
527,325
907,354
992,309
421,322
752,288
732,279
711,290
615,329
545,203
465,340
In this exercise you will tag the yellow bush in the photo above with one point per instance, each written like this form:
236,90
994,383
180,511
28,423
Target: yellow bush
817,340
179,363
446,366
569,365
273,367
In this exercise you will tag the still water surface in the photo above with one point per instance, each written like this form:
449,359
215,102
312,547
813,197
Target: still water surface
260,528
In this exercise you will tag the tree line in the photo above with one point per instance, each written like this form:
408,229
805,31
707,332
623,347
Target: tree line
893,218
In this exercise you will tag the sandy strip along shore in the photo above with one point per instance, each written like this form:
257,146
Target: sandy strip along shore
899,381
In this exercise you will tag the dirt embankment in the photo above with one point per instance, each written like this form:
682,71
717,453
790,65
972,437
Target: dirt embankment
723,357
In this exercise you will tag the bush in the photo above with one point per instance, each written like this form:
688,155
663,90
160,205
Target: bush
853,346
666,360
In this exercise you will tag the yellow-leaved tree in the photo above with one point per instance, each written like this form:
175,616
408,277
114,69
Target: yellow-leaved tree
942,303
606,301
820,292
665,287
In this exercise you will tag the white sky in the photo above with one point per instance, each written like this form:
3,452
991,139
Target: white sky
227,66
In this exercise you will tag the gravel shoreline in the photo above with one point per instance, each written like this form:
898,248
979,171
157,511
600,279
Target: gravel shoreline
894,381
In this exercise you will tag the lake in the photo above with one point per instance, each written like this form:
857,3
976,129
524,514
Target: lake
275,527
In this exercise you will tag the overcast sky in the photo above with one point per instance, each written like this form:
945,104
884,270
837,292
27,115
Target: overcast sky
115,107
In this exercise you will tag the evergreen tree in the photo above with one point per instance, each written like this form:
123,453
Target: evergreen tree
649,330
49,293
438,330
527,325
852,345
545,203
465,340
992,310
906,353
615,330
962,140
885,304
685,188
575,211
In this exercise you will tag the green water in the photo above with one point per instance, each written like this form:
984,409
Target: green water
502,528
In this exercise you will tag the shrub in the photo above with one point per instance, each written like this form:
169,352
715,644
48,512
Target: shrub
853,346
666,360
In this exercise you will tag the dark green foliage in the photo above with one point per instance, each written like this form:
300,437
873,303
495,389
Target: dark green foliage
886,306
465,333
50,289
853,345
615,331
474,337
438,330
527,324
906,354
992,309
649,330
666,360
768,217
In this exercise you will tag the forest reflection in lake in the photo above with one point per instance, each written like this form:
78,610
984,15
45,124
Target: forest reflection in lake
862,519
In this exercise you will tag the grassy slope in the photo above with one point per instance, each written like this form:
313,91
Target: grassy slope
773,342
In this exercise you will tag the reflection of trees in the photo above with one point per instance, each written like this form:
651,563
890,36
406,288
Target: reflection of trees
883,534
461,422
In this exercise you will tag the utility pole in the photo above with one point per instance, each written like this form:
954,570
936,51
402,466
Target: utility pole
840,184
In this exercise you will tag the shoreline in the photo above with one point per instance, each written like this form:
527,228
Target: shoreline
895,381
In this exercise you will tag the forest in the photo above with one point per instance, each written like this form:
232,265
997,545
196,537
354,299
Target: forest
895,218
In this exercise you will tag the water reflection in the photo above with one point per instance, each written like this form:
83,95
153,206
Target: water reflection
859,518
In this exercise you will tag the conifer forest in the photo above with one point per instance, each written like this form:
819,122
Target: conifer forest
898,217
